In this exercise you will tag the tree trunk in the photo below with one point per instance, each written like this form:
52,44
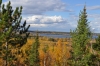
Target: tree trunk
44,61
6,54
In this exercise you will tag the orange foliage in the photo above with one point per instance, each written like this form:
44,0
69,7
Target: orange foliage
56,54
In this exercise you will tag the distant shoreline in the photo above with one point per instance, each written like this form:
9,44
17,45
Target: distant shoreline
50,32
56,33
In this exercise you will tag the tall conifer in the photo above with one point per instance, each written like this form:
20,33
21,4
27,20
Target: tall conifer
12,30
34,53
80,38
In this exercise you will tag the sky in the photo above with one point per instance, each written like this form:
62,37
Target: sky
58,15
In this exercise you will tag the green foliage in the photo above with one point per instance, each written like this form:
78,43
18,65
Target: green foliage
80,38
34,53
96,48
12,31
45,49
52,39
89,60
10,25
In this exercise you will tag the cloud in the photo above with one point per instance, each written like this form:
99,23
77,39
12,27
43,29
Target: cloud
43,19
38,25
80,4
56,23
40,6
40,21
49,23
94,22
70,10
73,20
97,7
94,15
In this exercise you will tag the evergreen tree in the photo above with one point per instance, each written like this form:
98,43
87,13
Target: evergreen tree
34,53
80,38
12,31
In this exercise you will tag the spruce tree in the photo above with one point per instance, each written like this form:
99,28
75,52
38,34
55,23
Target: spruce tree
80,38
34,53
12,30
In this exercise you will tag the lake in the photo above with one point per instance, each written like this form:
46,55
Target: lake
55,36
60,35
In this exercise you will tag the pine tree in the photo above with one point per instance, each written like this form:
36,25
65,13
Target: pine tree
34,53
12,31
80,38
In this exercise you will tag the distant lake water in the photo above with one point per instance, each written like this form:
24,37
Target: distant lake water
55,36
61,35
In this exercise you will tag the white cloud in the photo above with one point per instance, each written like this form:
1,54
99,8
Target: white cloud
80,4
96,7
73,21
40,6
38,25
43,19
44,22
94,15
94,22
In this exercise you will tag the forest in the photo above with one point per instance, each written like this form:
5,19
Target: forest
18,48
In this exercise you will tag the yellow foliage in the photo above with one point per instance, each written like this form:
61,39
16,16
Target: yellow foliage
57,52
